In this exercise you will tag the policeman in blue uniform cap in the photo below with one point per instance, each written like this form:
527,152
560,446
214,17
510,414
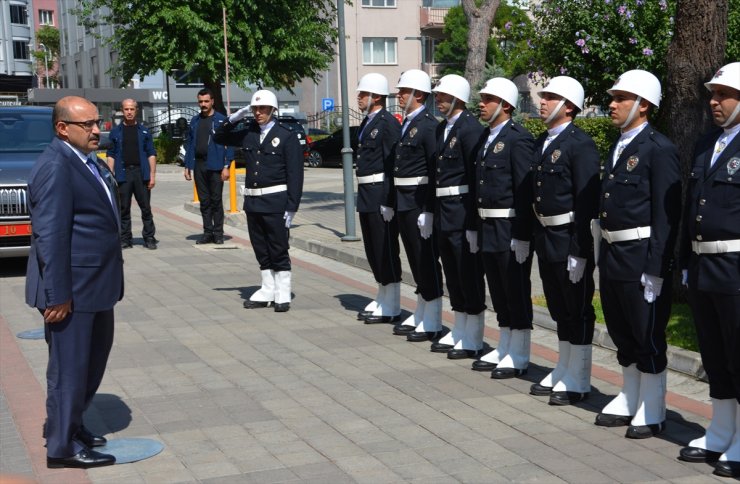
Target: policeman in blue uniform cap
272,192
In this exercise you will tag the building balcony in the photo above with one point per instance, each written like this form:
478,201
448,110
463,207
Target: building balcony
431,18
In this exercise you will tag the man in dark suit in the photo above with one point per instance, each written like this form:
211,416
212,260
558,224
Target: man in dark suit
566,192
272,193
412,197
639,211
208,162
710,260
503,201
455,219
378,133
74,276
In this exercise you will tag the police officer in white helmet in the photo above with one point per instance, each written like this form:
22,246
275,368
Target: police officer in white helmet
378,133
272,192
455,219
710,259
412,197
639,211
503,200
566,190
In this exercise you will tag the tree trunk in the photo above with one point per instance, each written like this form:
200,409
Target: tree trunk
696,52
218,100
479,31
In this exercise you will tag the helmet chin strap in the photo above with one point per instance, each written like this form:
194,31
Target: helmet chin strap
496,113
452,107
407,109
732,117
555,111
632,113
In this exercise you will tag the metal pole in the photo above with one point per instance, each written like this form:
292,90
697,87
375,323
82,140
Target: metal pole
46,64
349,189
169,111
232,166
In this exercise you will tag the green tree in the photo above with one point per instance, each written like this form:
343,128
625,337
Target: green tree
505,47
47,36
732,53
272,43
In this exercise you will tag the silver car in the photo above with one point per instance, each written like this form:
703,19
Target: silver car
25,131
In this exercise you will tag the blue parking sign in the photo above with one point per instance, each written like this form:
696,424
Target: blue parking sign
327,104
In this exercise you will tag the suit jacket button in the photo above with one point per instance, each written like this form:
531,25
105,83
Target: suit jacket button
606,195
603,214
538,199
702,201
539,183
698,237
698,218
611,177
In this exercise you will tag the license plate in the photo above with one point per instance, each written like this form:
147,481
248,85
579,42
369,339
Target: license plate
15,230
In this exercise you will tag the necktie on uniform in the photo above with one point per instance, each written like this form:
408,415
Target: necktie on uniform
547,142
404,125
621,145
448,128
719,147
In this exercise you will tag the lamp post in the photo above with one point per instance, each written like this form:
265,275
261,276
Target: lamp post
46,63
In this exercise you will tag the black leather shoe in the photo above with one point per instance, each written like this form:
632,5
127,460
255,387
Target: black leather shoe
609,420
382,319
205,239
403,329
540,390
126,245
256,304
363,314
440,348
150,244
506,373
566,398
421,336
644,431
695,454
90,439
461,354
282,307
83,459
218,240
483,366
728,468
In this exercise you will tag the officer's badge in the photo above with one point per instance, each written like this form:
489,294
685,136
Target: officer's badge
555,156
499,147
453,142
374,133
632,162
733,165
275,142
412,133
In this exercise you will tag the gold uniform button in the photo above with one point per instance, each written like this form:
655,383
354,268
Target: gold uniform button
481,182
539,183
698,218
698,237
480,200
603,214
254,184
539,168
538,199
396,168
702,201
611,177
606,195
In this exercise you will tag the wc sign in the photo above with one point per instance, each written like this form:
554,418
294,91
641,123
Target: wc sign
327,104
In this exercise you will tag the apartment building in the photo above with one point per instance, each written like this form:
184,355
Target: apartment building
16,34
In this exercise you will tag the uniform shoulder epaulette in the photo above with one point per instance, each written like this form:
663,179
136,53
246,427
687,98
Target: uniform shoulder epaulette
287,126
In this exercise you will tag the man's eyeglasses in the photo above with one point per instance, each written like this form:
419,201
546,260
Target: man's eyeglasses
86,125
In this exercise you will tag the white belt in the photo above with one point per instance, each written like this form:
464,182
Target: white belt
638,233
449,191
256,192
496,212
412,181
716,246
551,220
376,178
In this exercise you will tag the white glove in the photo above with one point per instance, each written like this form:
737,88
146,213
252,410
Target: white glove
520,248
685,277
288,217
472,236
653,285
239,115
424,222
576,266
387,213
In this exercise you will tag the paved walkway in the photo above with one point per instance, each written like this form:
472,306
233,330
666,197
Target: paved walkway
312,395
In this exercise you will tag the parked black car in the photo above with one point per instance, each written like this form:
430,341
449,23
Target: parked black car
328,151
25,132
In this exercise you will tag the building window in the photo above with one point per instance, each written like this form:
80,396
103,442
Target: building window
18,14
379,50
46,17
379,3
20,49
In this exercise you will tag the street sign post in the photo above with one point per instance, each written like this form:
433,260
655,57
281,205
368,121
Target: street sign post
327,104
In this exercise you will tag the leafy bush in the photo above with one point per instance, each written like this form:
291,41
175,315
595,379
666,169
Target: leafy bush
167,148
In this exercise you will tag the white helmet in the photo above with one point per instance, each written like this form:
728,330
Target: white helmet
640,83
566,87
728,75
263,97
454,85
373,83
503,88
415,79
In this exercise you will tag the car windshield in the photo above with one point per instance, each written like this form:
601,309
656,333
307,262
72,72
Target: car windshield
25,132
